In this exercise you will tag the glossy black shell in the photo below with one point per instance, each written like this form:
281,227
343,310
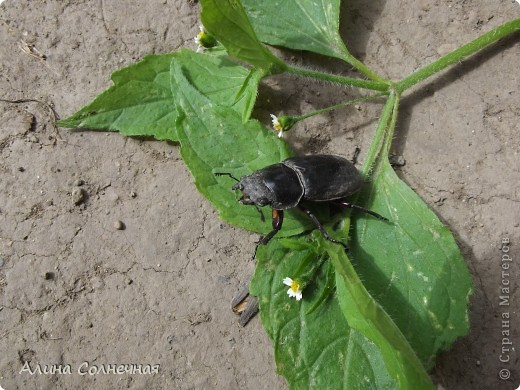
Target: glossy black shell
317,178
325,177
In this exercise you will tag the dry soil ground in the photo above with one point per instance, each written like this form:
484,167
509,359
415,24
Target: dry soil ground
75,288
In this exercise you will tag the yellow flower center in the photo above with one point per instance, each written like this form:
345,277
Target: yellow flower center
295,286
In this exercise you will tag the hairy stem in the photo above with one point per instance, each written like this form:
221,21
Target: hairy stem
339,105
367,84
381,129
389,133
363,68
458,54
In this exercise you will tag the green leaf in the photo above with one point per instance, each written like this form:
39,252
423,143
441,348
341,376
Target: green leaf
314,346
304,25
366,315
299,24
142,103
248,92
139,103
214,139
221,80
228,22
412,266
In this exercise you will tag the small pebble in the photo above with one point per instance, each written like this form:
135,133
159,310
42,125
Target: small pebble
397,161
49,275
78,196
133,194
21,169
119,225
79,182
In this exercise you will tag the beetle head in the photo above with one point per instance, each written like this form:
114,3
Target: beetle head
254,191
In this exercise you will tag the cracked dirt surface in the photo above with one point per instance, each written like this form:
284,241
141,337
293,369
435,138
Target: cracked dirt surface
108,255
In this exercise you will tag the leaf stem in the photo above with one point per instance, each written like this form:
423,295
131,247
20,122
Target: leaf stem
379,134
458,54
361,67
367,84
339,105
389,133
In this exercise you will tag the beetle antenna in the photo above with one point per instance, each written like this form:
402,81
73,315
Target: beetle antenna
226,174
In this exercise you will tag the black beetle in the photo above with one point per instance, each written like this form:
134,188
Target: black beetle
318,178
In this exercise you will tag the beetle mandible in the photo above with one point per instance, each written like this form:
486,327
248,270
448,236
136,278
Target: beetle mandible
315,178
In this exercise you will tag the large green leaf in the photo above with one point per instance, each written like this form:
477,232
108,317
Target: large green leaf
228,22
299,24
214,139
314,346
366,315
141,101
412,266
221,80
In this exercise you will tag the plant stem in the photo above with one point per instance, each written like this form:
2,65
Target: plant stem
389,134
362,67
367,84
379,134
339,105
378,150
458,54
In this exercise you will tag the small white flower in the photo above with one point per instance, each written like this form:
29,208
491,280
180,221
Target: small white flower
295,290
204,40
200,36
277,125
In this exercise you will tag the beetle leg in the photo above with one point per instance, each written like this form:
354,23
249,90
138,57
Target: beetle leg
277,225
355,206
262,218
356,155
321,228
